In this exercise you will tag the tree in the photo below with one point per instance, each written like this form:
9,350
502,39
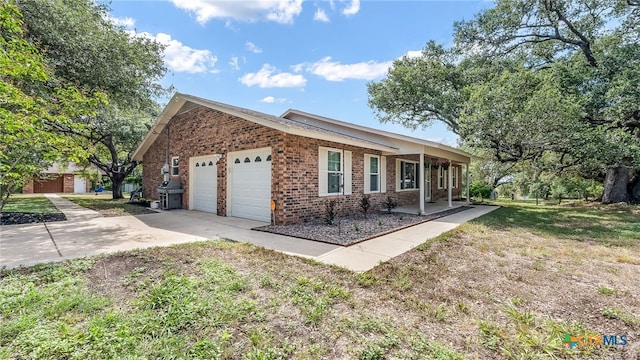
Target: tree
84,47
596,41
542,82
28,100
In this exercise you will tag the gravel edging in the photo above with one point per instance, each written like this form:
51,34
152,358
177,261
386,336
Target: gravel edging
13,218
355,229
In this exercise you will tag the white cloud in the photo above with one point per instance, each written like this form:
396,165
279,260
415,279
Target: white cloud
352,8
125,22
271,100
298,67
321,15
234,63
182,58
280,11
413,54
268,77
252,47
335,71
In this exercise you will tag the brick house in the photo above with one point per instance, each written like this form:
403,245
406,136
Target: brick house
59,179
233,161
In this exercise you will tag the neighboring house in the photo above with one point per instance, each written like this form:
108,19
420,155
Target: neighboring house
234,162
59,180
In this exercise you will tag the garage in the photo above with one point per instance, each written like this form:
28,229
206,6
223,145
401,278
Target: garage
250,184
49,185
203,194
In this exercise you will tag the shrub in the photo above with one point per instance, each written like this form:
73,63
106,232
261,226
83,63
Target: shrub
481,190
390,204
365,204
330,211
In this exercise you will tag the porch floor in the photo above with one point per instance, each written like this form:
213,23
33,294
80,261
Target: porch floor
430,207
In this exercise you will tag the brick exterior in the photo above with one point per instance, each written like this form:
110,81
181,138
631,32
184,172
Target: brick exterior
67,185
294,172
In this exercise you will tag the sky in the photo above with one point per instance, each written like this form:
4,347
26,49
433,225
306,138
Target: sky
273,55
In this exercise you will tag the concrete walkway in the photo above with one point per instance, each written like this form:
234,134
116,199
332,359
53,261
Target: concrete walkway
86,233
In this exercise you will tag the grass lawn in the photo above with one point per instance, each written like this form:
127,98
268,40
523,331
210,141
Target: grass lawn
107,206
509,285
30,203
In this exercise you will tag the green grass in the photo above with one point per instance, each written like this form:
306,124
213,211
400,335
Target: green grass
617,226
107,206
452,298
38,204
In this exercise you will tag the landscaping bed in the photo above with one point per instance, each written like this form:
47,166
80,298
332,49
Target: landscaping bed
353,229
15,218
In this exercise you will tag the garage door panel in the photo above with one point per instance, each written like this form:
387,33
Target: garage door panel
251,185
205,184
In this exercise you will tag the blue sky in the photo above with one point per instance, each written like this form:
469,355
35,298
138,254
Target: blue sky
272,55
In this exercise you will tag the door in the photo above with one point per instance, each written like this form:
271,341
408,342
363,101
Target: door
251,184
427,184
203,190
79,184
49,185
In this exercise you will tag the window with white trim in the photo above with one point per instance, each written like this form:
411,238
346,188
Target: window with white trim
408,175
372,181
334,171
175,170
442,178
454,176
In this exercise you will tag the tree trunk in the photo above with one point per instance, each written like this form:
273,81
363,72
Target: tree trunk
116,181
634,188
615,185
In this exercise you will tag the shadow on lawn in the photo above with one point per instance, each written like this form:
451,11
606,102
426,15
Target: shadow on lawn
613,227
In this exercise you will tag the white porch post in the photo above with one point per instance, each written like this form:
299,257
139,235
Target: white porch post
421,183
450,181
467,181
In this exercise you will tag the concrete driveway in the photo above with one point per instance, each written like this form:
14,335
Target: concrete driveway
87,233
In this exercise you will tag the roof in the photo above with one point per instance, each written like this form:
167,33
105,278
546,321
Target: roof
296,123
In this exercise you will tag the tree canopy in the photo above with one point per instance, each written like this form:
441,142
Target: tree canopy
82,46
549,83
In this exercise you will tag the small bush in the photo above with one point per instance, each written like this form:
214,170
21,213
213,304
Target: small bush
365,204
390,204
330,211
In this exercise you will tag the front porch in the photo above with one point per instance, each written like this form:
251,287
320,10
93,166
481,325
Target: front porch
430,207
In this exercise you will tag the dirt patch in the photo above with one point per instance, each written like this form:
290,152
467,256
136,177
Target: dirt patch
29,218
353,229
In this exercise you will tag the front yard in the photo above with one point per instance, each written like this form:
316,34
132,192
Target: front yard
106,206
510,285
29,208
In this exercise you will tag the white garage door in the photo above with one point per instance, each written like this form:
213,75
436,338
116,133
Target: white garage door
204,190
251,184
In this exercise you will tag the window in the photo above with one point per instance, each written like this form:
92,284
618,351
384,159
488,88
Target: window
454,176
334,166
408,175
442,178
374,174
334,171
175,171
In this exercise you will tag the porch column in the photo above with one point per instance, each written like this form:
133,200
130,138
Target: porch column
450,181
467,181
421,171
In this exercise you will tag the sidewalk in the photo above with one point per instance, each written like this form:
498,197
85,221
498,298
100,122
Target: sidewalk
87,233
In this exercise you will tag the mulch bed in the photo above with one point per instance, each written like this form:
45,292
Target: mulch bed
29,218
354,229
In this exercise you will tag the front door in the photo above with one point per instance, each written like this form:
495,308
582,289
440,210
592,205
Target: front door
427,184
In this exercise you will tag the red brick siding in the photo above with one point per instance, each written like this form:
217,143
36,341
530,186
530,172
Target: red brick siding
294,178
443,194
205,132
67,186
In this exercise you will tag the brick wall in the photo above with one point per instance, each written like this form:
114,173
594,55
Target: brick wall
67,183
27,188
205,132
294,182
443,194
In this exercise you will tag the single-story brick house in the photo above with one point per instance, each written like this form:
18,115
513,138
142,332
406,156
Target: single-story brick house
59,179
233,161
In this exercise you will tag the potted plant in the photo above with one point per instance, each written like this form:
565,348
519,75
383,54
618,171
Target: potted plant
445,165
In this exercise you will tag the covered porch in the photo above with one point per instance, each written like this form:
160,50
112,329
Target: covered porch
430,207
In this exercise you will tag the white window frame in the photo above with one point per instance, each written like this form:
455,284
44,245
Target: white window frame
339,172
175,166
454,176
323,171
442,177
399,175
368,173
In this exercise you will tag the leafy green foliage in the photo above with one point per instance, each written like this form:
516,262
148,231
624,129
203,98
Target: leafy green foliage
29,101
481,190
